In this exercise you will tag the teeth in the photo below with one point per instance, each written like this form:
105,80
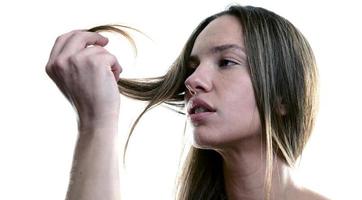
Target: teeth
199,110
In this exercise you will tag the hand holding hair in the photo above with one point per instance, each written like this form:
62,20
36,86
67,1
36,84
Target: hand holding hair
249,79
87,75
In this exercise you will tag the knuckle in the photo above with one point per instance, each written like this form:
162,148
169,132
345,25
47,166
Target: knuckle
48,70
74,32
104,56
99,49
80,36
59,65
112,60
66,35
100,54
112,57
59,70
59,62
60,38
74,59
48,67
77,34
107,56
94,62
86,61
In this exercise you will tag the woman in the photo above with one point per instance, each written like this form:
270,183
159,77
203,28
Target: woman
249,81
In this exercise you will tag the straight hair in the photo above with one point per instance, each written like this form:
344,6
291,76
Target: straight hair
283,73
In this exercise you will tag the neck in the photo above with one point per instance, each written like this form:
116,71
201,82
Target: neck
244,168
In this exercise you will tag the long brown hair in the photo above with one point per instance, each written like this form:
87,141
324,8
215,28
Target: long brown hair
283,72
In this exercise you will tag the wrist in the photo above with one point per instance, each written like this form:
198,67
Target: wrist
95,124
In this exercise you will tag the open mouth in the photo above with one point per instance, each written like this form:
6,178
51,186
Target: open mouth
199,106
199,109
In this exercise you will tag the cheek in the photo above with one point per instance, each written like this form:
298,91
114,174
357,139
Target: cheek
243,120
241,114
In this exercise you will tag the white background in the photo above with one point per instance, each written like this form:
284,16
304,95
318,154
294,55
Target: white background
38,126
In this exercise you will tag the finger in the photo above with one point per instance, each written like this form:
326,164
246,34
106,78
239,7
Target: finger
58,79
57,47
81,40
59,43
100,57
116,69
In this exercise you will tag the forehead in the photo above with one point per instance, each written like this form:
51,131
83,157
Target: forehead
223,30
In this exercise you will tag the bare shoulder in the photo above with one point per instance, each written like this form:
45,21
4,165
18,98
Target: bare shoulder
307,194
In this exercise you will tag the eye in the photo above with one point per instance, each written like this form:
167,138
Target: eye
227,63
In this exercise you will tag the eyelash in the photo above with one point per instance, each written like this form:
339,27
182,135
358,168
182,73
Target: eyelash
222,63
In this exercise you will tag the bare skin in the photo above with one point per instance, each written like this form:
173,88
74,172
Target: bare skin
245,172
87,76
233,128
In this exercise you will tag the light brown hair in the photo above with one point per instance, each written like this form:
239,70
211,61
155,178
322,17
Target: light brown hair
283,72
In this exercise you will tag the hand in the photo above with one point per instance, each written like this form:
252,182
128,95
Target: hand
87,75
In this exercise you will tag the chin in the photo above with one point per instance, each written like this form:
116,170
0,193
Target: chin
209,140
204,138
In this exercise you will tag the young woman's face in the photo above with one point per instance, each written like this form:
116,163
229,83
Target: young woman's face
220,99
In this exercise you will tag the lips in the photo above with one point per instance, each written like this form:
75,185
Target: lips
200,112
197,106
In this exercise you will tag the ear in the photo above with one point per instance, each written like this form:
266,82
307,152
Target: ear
281,109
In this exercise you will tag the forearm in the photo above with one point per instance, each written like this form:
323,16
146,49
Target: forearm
87,74
95,170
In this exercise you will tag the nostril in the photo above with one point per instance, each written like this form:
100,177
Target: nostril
199,82
199,88
190,90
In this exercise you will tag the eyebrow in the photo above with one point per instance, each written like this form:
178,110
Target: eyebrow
224,47
221,48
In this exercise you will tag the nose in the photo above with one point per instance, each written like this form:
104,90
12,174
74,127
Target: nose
200,81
